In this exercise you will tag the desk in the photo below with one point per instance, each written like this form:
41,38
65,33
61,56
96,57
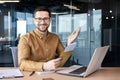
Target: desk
106,73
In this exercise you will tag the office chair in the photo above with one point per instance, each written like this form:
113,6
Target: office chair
14,51
17,39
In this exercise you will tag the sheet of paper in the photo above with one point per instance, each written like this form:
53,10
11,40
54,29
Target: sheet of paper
70,47
10,73
44,72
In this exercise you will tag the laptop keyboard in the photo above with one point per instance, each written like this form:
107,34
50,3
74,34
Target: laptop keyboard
79,70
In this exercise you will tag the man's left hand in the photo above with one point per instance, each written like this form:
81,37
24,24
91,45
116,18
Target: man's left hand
73,36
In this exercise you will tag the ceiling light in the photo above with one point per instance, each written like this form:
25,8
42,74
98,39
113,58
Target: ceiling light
93,9
112,17
107,18
59,13
110,11
4,1
71,7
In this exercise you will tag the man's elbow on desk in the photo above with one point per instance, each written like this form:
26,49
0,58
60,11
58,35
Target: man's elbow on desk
36,66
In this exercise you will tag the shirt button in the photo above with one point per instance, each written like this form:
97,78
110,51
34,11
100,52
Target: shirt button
46,49
47,58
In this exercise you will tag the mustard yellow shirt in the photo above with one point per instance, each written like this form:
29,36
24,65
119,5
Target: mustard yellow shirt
34,49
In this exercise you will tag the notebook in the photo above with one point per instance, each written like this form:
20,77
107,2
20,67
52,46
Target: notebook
94,64
70,47
10,73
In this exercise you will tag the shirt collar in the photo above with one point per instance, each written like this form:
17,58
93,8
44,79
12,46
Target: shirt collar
39,34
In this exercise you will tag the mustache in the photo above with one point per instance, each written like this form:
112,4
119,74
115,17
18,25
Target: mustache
43,24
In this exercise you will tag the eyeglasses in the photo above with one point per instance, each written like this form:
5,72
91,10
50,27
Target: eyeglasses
44,19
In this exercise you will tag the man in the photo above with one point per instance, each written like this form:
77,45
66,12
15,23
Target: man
37,49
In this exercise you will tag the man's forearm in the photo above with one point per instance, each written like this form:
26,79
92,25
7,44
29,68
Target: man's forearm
27,65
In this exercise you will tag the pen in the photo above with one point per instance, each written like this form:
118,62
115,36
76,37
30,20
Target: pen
32,73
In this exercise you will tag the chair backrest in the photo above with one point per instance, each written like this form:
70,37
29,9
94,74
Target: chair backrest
14,51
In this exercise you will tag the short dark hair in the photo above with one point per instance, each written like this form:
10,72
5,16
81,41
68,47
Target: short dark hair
42,8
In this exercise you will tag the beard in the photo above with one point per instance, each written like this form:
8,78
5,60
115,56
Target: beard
43,27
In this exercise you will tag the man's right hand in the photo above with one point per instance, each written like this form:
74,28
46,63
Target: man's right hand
52,64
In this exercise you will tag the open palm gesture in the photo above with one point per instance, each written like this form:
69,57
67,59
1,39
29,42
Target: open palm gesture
73,36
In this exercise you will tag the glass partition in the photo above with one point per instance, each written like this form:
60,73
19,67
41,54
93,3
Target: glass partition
67,18
64,23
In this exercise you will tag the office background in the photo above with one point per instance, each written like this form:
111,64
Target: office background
99,21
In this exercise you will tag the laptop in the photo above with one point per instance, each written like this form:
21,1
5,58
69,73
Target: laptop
94,64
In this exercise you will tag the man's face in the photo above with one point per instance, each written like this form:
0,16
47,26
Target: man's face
42,20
